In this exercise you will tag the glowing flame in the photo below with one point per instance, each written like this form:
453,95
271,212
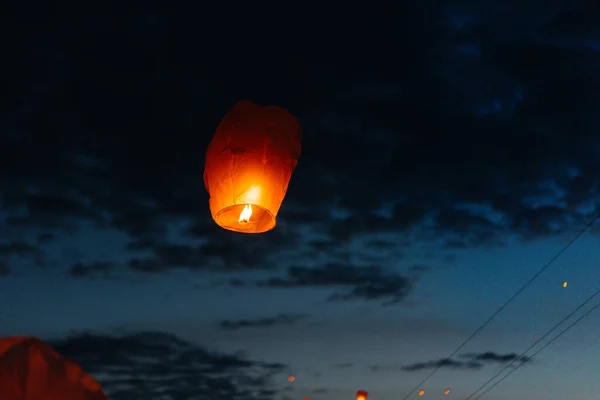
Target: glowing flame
245,214
421,392
447,391
565,284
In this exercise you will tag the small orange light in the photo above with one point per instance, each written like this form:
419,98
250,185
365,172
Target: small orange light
447,391
291,378
361,395
565,283
421,392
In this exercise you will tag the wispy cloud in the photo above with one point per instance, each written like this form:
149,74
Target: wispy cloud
265,322
151,364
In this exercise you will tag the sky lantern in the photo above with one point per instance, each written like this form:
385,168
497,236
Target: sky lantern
291,378
249,164
30,370
361,395
447,391
565,284
421,392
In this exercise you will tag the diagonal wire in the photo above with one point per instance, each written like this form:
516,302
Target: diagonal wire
588,312
521,356
503,306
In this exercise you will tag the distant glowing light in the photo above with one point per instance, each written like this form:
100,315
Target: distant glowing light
421,392
361,395
565,284
447,391
291,378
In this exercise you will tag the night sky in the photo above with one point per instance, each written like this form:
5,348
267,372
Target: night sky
449,152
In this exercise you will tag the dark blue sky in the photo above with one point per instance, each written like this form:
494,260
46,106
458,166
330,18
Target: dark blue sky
448,153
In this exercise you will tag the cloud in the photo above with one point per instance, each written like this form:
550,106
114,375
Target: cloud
442,363
575,22
354,283
4,268
220,251
80,270
469,361
152,364
344,365
17,248
491,357
472,143
43,238
266,322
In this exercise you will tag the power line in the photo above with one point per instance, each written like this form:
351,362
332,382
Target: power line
503,306
588,312
521,356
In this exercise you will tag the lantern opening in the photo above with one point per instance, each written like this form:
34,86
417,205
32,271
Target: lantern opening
245,218
245,214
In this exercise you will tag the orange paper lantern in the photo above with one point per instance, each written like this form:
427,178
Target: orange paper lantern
249,163
447,391
31,370
361,395
421,392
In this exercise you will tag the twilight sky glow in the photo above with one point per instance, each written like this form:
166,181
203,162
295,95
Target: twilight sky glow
448,154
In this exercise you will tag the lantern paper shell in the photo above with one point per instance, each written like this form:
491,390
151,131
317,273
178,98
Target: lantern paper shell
249,163
31,369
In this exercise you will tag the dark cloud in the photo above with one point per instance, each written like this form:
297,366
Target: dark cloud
4,268
43,238
469,361
48,210
80,270
354,283
491,357
266,322
220,250
419,268
482,136
442,363
152,365
344,365
575,22
17,248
